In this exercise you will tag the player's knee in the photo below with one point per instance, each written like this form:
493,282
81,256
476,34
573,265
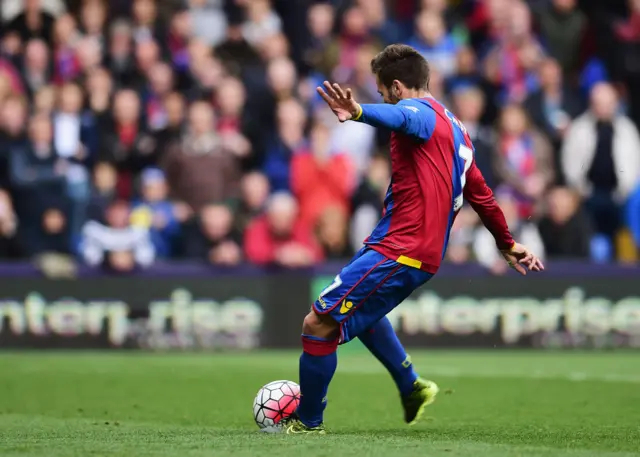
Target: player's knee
320,326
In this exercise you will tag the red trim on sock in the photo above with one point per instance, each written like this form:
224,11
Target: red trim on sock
319,348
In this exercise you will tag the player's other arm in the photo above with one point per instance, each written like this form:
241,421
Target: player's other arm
409,117
481,199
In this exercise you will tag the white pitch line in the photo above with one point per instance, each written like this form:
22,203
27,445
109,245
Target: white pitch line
454,372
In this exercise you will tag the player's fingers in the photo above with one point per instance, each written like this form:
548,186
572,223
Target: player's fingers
526,259
323,94
520,269
348,94
339,90
330,90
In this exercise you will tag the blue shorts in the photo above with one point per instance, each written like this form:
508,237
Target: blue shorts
366,290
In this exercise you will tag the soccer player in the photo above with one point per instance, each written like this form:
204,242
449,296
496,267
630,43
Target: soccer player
432,173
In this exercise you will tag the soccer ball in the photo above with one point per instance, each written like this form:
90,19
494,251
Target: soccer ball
275,401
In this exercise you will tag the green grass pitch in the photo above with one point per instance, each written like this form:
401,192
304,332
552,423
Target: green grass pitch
492,404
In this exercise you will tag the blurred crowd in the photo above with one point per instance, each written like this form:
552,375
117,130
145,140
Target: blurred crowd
139,130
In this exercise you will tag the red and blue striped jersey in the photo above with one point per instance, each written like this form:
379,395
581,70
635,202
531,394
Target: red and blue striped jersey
433,172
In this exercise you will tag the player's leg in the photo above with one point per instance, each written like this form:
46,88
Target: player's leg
370,324
318,364
383,343
321,331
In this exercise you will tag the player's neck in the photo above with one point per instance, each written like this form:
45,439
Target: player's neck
418,93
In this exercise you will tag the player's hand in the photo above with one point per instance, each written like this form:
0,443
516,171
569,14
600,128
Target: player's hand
522,260
340,101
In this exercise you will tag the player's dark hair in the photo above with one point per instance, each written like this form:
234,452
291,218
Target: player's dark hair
401,62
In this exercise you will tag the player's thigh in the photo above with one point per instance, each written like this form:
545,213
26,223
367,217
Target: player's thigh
355,281
392,290
366,289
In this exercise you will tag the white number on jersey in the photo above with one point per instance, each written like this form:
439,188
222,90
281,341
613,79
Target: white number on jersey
465,154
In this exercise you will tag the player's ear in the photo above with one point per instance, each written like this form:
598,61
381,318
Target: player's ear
396,88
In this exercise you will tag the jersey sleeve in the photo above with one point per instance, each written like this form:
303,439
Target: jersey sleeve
481,199
410,117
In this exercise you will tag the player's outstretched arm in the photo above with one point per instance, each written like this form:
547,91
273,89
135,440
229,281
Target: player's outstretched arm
481,199
408,116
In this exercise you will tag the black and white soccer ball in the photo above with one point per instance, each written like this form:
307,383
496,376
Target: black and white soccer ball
275,401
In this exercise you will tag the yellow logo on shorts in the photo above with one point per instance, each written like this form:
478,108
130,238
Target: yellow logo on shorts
346,306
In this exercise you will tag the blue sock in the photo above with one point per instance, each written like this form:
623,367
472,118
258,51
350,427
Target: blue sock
383,342
318,363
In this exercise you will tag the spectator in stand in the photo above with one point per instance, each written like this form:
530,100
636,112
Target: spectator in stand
289,136
565,229
9,246
236,125
103,191
321,177
146,22
282,78
126,144
99,89
33,22
207,73
208,20
633,216
383,27
11,47
89,54
180,32
333,231
320,22
523,229
75,133
155,213
161,83
36,71
10,78
200,168
468,75
254,194
468,103
93,20
367,200
65,62
512,61
119,60
147,55
212,237
262,22
175,106
600,159
626,55
562,28
362,82
434,42
51,235
524,159
116,246
36,171
75,140
274,47
463,231
279,237
44,101
338,61
13,119
553,107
